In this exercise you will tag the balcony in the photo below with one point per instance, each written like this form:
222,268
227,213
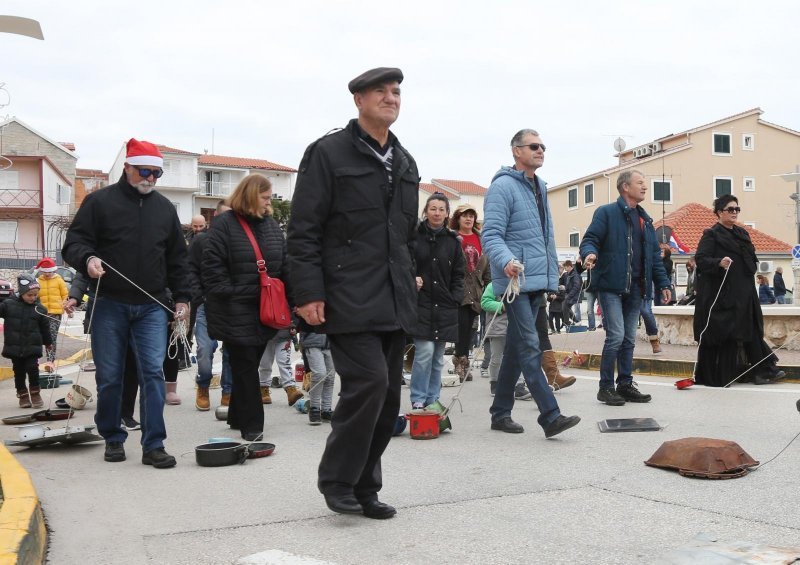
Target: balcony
218,189
19,198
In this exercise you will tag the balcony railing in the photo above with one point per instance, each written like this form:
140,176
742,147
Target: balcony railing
19,198
22,259
215,188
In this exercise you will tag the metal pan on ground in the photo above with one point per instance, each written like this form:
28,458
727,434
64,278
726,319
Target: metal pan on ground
69,435
258,450
41,415
220,454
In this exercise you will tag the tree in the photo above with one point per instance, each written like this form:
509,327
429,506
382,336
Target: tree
281,211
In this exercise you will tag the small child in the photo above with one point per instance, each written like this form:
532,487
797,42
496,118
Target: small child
317,350
27,328
53,294
556,301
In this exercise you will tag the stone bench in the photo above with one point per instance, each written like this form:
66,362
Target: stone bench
675,325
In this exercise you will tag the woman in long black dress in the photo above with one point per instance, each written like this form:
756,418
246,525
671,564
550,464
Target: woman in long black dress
734,338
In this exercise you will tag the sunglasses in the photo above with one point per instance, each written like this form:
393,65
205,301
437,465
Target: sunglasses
145,172
534,146
732,210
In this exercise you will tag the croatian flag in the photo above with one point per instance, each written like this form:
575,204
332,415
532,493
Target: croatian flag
677,245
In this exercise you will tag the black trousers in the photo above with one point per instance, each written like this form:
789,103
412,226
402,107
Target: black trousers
25,366
246,410
370,366
466,317
541,328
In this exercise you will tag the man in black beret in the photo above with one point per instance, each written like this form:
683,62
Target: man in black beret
350,237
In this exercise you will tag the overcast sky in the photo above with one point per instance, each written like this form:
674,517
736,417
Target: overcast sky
270,77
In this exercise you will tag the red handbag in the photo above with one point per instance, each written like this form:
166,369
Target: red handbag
273,307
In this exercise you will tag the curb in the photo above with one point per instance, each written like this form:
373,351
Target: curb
23,536
8,372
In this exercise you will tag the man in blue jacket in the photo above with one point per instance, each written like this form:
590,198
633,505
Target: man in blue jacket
517,237
621,249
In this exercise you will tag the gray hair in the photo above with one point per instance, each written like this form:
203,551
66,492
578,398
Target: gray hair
517,139
625,178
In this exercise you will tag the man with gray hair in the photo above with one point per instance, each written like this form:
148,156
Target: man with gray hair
518,239
621,251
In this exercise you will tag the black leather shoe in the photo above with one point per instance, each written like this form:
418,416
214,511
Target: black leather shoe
252,436
115,452
158,458
378,510
507,425
562,423
343,503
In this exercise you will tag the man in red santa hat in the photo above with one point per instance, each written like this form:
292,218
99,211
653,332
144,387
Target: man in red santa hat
129,239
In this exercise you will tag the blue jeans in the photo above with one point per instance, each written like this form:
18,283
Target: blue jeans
523,353
591,297
620,319
781,299
426,374
576,312
646,311
144,326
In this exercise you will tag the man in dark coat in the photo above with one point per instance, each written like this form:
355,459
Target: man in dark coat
128,236
778,286
350,238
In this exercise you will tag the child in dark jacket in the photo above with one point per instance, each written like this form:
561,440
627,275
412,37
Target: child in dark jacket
317,349
27,328
556,300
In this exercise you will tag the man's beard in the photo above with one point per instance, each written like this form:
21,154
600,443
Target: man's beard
145,186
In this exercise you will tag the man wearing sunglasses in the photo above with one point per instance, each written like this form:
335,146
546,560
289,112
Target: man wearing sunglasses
128,237
621,249
518,238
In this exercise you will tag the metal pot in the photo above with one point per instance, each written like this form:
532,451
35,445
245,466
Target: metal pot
221,412
220,454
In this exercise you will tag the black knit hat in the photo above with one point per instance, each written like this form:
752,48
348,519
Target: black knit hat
26,283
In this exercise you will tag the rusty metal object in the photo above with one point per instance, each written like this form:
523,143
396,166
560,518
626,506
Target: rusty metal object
704,458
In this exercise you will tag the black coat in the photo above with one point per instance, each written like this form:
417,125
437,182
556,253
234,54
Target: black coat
350,243
441,264
737,313
778,285
230,277
26,328
139,235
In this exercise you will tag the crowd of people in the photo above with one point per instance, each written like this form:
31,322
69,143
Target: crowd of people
366,277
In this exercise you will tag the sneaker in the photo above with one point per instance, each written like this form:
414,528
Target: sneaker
275,383
521,392
610,397
507,425
417,406
201,401
562,423
630,393
484,373
772,372
314,417
115,452
592,329
327,416
158,458
492,387
130,424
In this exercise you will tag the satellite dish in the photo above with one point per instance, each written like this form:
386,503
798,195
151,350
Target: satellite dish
619,145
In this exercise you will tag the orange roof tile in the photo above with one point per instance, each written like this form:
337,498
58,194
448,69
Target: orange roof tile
167,149
689,221
243,163
91,173
68,144
461,186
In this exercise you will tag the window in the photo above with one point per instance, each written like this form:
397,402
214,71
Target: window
722,185
588,193
63,194
722,144
8,231
574,239
748,142
9,180
749,184
572,197
662,191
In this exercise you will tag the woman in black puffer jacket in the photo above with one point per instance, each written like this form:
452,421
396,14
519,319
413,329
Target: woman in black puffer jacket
231,280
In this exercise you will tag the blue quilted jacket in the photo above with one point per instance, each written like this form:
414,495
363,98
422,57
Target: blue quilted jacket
512,229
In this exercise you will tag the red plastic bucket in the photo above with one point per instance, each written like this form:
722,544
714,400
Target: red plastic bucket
299,372
423,424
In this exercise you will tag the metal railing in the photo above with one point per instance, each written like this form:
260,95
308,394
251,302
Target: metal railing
215,188
23,259
19,198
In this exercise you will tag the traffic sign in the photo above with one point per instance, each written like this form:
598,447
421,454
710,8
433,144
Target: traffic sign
796,252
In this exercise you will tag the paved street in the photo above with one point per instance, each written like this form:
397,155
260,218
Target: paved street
471,496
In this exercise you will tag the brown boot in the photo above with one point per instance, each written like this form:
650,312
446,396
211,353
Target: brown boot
654,343
554,377
36,398
265,396
293,394
24,398
201,401
226,399
460,363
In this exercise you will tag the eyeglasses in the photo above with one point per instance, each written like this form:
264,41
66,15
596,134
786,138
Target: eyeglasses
145,172
534,146
732,210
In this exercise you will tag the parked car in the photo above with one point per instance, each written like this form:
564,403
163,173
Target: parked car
67,273
6,290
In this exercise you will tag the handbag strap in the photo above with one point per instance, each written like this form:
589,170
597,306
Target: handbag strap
260,263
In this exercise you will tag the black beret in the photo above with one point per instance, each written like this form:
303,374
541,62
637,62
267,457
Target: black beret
372,77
